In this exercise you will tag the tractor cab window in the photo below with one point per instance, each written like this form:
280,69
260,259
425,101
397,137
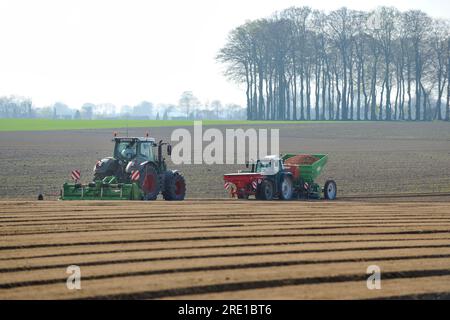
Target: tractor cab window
126,150
276,165
267,167
262,166
146,150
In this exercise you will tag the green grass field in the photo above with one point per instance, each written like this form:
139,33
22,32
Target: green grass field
49,124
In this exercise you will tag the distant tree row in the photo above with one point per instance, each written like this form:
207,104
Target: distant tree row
304,64
189,107
16,107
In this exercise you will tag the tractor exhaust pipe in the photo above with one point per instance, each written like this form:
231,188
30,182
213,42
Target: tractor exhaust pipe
160,144
169,150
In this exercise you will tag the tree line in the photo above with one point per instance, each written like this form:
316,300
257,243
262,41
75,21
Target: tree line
188,107
15,107
305,64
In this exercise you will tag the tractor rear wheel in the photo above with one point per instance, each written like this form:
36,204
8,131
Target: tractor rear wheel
149,182
286,188
174,187
330,190
266,190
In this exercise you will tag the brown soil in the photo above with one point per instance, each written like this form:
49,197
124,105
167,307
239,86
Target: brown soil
364,158
225,249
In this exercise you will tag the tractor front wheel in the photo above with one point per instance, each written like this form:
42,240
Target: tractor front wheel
265,190
149,183
175,187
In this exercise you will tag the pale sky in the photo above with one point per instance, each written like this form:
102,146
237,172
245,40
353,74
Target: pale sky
126,51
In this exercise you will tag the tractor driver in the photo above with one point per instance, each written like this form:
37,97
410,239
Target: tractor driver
128,152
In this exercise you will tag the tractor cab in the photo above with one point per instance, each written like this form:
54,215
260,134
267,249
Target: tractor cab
139,149
269,165
131,154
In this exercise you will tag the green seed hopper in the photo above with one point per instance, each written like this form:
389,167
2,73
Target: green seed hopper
309,172
106,189
305,175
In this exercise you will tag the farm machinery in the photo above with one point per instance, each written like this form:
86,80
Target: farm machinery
283,177
134,172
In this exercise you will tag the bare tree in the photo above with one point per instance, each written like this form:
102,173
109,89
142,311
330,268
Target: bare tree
438,43
188,102
305,64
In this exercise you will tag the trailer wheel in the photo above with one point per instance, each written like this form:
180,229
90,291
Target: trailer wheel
330,190
286,188
266,190
175,187
149,183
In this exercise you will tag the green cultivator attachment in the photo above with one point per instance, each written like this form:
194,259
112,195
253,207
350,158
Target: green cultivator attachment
106,189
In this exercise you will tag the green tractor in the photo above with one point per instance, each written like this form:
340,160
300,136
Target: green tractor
134,172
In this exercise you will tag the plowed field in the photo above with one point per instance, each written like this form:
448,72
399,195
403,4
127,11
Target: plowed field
225,249
364,158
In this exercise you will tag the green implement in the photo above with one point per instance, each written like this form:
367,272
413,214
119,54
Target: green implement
106,189
309,172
